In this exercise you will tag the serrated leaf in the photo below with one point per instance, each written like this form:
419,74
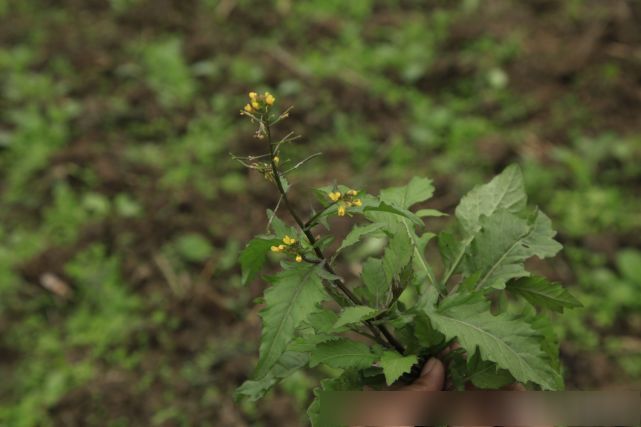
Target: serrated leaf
357,233
487,375
253,257
398,254
343,354
504,192
416,191
395,364
354,314
540,292
375,280
308,343
287,363
322,320
293,296
504,243
511,343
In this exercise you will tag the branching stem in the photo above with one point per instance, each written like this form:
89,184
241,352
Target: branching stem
377,330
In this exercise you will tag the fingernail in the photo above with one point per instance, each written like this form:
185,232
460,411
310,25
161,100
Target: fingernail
428,366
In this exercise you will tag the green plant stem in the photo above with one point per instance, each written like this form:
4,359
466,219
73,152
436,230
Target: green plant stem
312,221
377,330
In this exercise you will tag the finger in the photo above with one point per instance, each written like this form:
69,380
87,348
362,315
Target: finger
431,379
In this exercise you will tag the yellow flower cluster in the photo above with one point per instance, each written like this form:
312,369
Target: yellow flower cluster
288,247
345,200
259,102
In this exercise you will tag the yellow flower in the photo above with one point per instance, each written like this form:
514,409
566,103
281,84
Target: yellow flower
248,108
269,98
253,96
299,258
357,202
334,196
275,249
288,240
255,105
276,160
352,193
341,210
281,247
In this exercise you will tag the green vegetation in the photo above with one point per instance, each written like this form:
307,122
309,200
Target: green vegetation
122,216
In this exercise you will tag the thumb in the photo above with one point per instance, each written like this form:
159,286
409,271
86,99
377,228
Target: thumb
432,377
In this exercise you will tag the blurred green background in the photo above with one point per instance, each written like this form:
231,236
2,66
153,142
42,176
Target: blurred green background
122,214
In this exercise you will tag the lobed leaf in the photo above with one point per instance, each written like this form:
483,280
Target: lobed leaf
395,364
293,296
502,245
354,314
504,192
540,292
357,233
509,342
342,353
416,191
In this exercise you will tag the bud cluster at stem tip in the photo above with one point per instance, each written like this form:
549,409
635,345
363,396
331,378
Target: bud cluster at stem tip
289,247
259,103
344,201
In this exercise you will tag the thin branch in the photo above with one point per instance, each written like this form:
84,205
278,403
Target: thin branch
301,163
271,218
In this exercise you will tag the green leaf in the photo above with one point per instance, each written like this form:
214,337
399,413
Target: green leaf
422,213
253,257
375,280
511,343
354,314
278,226
293,296
540,292
504,243
389,209
347,380
487,375
398,254
308,343
357,233
418,190
395,364
343,354
505,192
322,320
288,363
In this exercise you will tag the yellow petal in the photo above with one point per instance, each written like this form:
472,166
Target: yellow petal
269,99
334,196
